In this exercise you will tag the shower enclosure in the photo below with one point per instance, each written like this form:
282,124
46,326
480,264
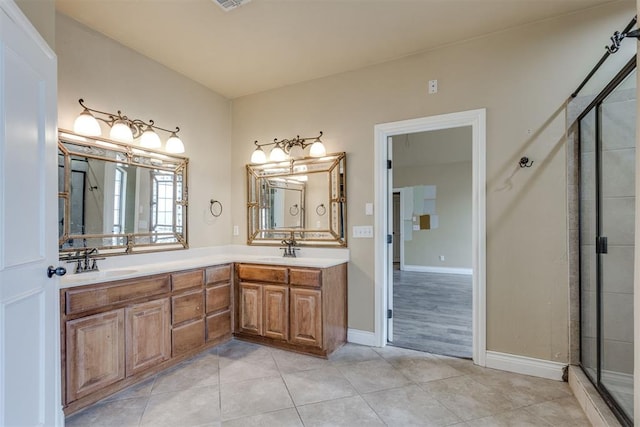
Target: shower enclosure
607,215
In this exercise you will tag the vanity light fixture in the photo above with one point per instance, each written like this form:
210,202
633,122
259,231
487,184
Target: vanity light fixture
125,129
285,148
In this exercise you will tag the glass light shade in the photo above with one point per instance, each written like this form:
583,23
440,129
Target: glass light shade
317,149
296,152
174,144
258,156
86,124
277,155
150,139
121,131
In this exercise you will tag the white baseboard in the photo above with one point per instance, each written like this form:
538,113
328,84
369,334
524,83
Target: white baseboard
525,365
357,336
443,270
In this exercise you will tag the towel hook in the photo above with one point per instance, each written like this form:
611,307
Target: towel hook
525,163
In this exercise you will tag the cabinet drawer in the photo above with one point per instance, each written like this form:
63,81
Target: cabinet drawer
219,273
87,298
305,277
218,325
218,297
186,280
260,273
188,306
187,337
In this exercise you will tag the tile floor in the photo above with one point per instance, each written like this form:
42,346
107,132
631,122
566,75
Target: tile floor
241,384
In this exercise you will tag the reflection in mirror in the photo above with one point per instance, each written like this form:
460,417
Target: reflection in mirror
301,198
119,198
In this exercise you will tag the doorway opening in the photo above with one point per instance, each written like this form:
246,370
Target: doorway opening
475,119
430,290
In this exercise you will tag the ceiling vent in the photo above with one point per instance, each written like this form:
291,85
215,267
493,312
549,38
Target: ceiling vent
228,5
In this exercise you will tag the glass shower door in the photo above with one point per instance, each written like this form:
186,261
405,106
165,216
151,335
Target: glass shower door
617,222
607,221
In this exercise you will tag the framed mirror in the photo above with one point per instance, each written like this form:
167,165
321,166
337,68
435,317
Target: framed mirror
301,198
119,198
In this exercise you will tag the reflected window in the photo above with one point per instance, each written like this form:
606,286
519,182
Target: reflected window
163,209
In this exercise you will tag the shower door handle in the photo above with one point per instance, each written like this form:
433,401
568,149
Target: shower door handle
601,245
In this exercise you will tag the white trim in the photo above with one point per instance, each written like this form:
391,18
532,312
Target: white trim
357,336
443,270
477,120
525,365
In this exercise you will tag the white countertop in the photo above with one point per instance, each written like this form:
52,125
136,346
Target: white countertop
126,267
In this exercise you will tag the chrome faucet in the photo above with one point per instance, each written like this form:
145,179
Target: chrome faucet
289,251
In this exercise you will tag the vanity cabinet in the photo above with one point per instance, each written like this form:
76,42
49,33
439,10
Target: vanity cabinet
187,311
118,333
301,309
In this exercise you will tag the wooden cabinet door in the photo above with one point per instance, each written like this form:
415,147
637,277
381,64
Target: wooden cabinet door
95,353
250,316
148,335
276,312
306,317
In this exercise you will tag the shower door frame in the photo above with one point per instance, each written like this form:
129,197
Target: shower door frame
595,104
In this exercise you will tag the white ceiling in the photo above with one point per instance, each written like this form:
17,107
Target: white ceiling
266,44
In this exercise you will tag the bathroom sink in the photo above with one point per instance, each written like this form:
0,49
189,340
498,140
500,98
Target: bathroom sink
101,274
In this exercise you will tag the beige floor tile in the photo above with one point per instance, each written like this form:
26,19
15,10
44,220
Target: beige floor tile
564,412
289,361
516,418
467,398
191,407
253,368
142,389
425,369
241,350
317,385
198,372
123,413
391,353
373,375
353,353
253,397
281,418
523,390
410,405
465,366
348,412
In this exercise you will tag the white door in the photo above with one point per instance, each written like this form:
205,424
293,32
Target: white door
29,318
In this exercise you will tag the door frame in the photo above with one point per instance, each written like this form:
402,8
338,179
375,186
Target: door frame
382,132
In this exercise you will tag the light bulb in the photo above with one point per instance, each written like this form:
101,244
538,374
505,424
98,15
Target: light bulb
277,154
174,144
317,149
86,124
121,131
150,139
258,156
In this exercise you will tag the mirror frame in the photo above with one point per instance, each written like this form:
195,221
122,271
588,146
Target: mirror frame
335,235
71,144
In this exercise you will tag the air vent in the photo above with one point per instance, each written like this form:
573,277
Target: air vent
227,5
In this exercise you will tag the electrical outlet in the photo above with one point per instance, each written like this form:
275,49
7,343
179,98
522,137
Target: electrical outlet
441,257
433,86
236,230
363,231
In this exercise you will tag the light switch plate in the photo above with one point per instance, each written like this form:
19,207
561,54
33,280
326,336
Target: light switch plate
368,209
363,231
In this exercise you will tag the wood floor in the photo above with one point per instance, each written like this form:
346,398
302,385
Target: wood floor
433,312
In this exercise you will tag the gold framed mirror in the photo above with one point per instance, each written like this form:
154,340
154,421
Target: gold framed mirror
304,199
119,198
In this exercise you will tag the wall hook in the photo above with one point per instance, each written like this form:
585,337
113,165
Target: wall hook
525,163
215,207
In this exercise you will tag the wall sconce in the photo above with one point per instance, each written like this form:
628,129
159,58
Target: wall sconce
125,129
285,148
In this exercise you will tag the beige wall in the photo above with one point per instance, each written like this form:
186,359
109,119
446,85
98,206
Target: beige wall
522,77
111,77
41,13
452,237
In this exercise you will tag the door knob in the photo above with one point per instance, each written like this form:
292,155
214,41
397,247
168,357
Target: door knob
60,271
